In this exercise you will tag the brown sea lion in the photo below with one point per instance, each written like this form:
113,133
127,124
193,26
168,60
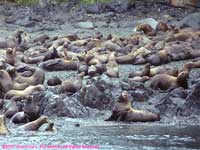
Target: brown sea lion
58,64
72,85
33,60
147,29
165,82
19,117
53,81
38,77
23,93
123,111
34,125
145,72
112,68
10,56
140,79
3,127
125,59
161,26
164,70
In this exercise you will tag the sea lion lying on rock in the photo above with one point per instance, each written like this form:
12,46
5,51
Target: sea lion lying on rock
23,93
10,56
37,78
166,82
3,128
34,125
145,72
58,65
123,111
72,85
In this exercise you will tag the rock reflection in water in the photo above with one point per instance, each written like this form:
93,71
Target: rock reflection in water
110,135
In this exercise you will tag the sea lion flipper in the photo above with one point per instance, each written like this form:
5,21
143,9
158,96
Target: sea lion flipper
113,117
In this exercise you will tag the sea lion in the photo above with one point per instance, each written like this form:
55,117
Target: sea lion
161,26
38,77
3,127
123,111
19,117
23,93
58,65
72,85
145,72
33,60
112,68
34,125
11,109
164,70
166,82
50,127
53,81
6,83
31,108
10,56
125,59
140,79
146,29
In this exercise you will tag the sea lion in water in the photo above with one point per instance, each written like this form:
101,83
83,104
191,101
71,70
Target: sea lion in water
11,56
34,125
145,72
37,78
123,111
112,68
23,93
166,82
50,127
3,128
72,85
58,65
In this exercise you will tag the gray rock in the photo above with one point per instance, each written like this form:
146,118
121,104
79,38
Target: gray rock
192,20
85,25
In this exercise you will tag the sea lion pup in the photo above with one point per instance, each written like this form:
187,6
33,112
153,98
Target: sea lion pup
72,85
31,108
164,70
38,77
10,56
58,65
125,59
3,128
11,108
53,81
123,111
34,125
19,117
144,72
166,82
112,68
23,93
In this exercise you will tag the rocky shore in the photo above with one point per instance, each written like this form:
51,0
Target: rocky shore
99,93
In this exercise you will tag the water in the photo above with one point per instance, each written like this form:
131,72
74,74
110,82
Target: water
108,136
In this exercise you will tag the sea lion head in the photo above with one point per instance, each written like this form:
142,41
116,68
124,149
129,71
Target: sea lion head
123,97
44,119
182,79
9,51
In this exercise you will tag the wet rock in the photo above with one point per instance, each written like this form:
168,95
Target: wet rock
192,20
99,92
56,105
170,106
85,25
